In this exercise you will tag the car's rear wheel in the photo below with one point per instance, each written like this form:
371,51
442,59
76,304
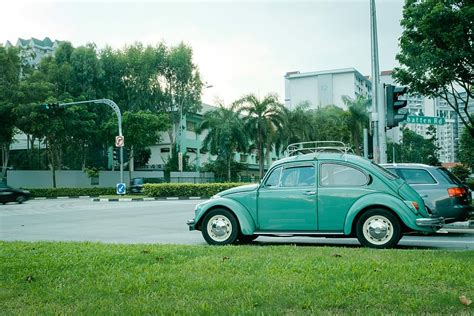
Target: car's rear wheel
220,227
20,199
378,228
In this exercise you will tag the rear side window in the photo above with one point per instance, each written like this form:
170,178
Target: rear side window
451,178
417,176
342,175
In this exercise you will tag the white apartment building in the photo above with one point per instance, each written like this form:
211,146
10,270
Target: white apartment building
34,49
321,88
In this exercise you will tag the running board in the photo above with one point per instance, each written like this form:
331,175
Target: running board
296,233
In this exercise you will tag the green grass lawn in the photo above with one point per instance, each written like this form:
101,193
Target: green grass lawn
92,278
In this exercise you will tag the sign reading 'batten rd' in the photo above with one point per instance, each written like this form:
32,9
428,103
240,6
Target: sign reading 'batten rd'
429,120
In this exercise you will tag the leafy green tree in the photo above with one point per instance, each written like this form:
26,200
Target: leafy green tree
220,168
330,124
466,149
263,119
414,148
461,172
181,84
10,70
141,129
437,57
226,134
357,119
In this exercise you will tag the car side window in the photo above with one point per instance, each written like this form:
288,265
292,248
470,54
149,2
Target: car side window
341,175
298,176
417,176
273,179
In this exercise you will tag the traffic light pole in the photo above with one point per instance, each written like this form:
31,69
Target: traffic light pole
378,109
116,109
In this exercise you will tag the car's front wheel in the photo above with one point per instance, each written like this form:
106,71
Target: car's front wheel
378,228
20,199
220,227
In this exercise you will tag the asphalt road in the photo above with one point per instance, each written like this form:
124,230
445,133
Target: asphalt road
150,222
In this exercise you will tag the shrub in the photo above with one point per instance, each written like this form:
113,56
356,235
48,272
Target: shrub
55,192
186,189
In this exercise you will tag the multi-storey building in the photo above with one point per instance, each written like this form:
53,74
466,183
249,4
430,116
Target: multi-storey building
321,88
33,49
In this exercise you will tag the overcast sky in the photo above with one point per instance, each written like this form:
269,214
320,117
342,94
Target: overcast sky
239,47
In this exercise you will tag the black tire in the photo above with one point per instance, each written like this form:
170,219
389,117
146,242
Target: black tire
220,227
245,239
20,199
378,228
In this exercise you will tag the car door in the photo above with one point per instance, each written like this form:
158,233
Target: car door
6,194
287,201
340,185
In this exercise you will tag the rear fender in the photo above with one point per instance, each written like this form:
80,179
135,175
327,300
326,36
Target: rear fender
407,214
246,222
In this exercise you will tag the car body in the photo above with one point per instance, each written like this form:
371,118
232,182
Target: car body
443,193
317,194
9,194
136,184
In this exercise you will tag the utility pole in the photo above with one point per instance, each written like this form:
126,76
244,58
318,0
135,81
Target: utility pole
378,108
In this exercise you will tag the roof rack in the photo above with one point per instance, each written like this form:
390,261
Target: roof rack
318,147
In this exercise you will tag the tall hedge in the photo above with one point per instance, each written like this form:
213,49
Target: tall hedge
186,189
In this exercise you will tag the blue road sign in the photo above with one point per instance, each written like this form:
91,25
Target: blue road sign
121,188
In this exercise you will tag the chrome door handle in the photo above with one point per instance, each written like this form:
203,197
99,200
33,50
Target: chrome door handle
310,193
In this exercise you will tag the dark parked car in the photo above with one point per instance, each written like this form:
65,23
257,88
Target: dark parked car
136,184
443,193
9,194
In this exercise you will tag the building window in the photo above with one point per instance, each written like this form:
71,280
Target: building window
165,150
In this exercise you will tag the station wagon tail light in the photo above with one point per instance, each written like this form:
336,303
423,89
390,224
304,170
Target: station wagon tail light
415,205
456,192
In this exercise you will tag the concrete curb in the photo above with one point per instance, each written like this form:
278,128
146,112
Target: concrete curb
61,197
118,199
172,198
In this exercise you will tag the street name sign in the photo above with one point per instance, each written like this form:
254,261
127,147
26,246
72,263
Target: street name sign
429,120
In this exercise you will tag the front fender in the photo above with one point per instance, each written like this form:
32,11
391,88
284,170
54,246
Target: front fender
246,222
407,214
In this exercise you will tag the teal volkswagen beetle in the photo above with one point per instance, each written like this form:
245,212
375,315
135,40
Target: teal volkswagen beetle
319,191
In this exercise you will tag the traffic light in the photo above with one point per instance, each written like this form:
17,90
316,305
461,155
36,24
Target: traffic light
394,104
116,154
50,106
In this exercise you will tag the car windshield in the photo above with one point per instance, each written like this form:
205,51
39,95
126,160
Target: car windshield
449,176
387,174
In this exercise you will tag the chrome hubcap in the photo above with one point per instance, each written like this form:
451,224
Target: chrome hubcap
219,228
378,229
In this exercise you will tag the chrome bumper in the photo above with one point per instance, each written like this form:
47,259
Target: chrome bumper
437,222
191,224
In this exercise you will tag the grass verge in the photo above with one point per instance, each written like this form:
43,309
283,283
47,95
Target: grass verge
92,278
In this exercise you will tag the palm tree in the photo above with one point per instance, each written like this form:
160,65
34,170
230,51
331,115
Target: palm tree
358,118
226,134
263,119
296,126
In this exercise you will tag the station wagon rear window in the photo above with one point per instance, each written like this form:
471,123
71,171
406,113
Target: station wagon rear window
417,176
